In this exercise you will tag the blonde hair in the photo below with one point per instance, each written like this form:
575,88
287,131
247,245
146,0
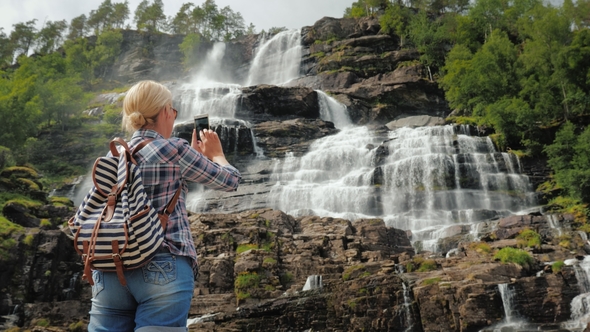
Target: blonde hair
143,103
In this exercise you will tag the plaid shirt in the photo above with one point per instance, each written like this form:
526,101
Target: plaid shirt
167,163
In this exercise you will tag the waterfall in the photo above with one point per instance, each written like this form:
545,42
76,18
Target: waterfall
333,111
277,60
428,180
507,302
313,282
409,321
580,306
554,224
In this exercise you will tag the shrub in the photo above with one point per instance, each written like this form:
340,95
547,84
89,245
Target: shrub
247,280
427,265
29,240
529,238
556,267
77,327
511,255
430,281
481,247
245,247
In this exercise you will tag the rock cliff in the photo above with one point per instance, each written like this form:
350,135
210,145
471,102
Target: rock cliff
262,269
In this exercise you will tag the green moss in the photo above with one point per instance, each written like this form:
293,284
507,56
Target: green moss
245,247
269,261
61,201
348,272
26,202
7,227
77,327
28,184
242,295
427,265
512,255
430,281
254,216
19,172
247,280
42,322
29,240
286,278
269,288
480,247
45,223
556,267
352,304
529,238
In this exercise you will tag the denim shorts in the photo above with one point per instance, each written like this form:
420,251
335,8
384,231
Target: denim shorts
157,297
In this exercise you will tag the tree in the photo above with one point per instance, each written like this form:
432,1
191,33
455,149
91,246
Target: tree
150,17
546,32
51,36
430,38
396,20
189,47
183,22
78,27
233,24
23,36
6,49
108,47
100,19
120,14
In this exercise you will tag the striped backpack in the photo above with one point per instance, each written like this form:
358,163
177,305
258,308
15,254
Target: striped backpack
116,228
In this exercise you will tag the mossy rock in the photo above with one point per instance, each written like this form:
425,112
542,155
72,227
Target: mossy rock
19,172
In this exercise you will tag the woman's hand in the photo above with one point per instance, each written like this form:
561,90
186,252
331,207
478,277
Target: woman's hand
209,146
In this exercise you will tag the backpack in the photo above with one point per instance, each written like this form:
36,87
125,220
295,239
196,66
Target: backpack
116,228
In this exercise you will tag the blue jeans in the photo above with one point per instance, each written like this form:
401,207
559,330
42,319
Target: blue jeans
157,297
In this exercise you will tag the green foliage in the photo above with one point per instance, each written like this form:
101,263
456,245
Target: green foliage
42,322
245,281
556,267
529,238
568,157
188,47
396,20
427,265
480,247
462,120
512,255
113,114
29,240
245,247
6,158
430,281
347,274
7,227
286,278
61,201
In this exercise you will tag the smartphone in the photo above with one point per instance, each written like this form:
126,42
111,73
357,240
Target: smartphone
201,122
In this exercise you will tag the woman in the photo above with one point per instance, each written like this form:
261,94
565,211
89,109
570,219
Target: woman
158,296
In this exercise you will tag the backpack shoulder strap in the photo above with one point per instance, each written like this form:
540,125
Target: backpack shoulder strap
165,213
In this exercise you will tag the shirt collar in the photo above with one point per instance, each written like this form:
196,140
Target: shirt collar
147,133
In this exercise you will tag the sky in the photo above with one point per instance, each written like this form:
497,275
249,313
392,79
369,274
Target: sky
264,14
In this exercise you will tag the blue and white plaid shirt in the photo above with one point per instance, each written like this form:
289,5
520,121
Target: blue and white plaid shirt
167,163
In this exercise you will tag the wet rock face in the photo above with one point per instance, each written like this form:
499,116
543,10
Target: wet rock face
266,102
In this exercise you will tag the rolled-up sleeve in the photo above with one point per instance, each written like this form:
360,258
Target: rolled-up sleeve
197,168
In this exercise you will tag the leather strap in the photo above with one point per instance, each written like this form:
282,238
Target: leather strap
118,262
165,213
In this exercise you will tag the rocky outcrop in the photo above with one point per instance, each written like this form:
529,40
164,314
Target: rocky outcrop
267,102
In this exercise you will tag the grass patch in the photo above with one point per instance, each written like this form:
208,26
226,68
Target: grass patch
529,238
480,247
430,281
427,265
556,267
245,247
348,272
512,255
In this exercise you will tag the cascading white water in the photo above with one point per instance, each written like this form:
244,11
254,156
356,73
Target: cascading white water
433,179
580,306
407,309
333,111
507,301
277,60
313,282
